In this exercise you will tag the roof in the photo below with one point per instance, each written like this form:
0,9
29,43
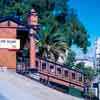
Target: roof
18,21
14,19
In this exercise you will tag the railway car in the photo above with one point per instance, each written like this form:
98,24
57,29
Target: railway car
70,79
53,74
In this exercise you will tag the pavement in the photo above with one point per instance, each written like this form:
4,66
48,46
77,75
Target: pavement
17,87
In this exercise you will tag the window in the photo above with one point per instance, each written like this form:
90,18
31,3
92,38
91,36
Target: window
51,68
59,70
43,66
80,78
73,75
66,73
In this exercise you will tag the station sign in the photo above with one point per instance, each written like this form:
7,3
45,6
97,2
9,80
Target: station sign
12,44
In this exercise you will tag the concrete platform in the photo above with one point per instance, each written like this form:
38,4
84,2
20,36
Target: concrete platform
16,87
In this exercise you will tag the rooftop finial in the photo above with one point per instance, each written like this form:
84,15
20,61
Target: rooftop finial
32,17
32,12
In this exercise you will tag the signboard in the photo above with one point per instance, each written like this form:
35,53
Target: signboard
9,43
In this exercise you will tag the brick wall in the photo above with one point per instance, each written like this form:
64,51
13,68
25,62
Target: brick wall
7,57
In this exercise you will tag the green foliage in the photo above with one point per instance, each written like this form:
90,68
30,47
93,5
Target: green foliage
80,66
50,44
70,59
53,14
14,8
88,71
98,71
76,31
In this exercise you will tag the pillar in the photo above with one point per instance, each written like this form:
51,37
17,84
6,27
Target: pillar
32,22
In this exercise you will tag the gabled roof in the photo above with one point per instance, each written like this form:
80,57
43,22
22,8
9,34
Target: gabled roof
14,19
19,22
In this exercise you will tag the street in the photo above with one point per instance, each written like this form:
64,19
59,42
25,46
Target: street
16,87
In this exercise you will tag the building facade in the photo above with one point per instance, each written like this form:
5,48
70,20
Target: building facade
97,54
88,62
16,37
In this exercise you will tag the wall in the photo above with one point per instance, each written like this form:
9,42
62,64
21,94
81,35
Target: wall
7,57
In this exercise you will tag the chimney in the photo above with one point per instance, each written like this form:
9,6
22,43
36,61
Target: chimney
32,17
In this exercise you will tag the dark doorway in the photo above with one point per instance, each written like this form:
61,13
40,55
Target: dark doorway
23,36
23,53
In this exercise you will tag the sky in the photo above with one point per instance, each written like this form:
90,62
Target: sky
89,14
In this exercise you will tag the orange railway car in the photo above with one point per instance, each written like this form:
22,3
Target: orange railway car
60,74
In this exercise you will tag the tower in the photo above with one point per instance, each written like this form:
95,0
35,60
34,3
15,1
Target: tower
32,22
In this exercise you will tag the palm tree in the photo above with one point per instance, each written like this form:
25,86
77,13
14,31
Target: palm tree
50,42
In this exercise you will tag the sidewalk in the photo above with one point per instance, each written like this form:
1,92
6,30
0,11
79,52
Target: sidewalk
17,87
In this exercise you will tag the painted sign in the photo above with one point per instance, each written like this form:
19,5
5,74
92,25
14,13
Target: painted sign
9,43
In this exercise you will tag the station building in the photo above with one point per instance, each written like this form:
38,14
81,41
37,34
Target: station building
17,48
16,38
